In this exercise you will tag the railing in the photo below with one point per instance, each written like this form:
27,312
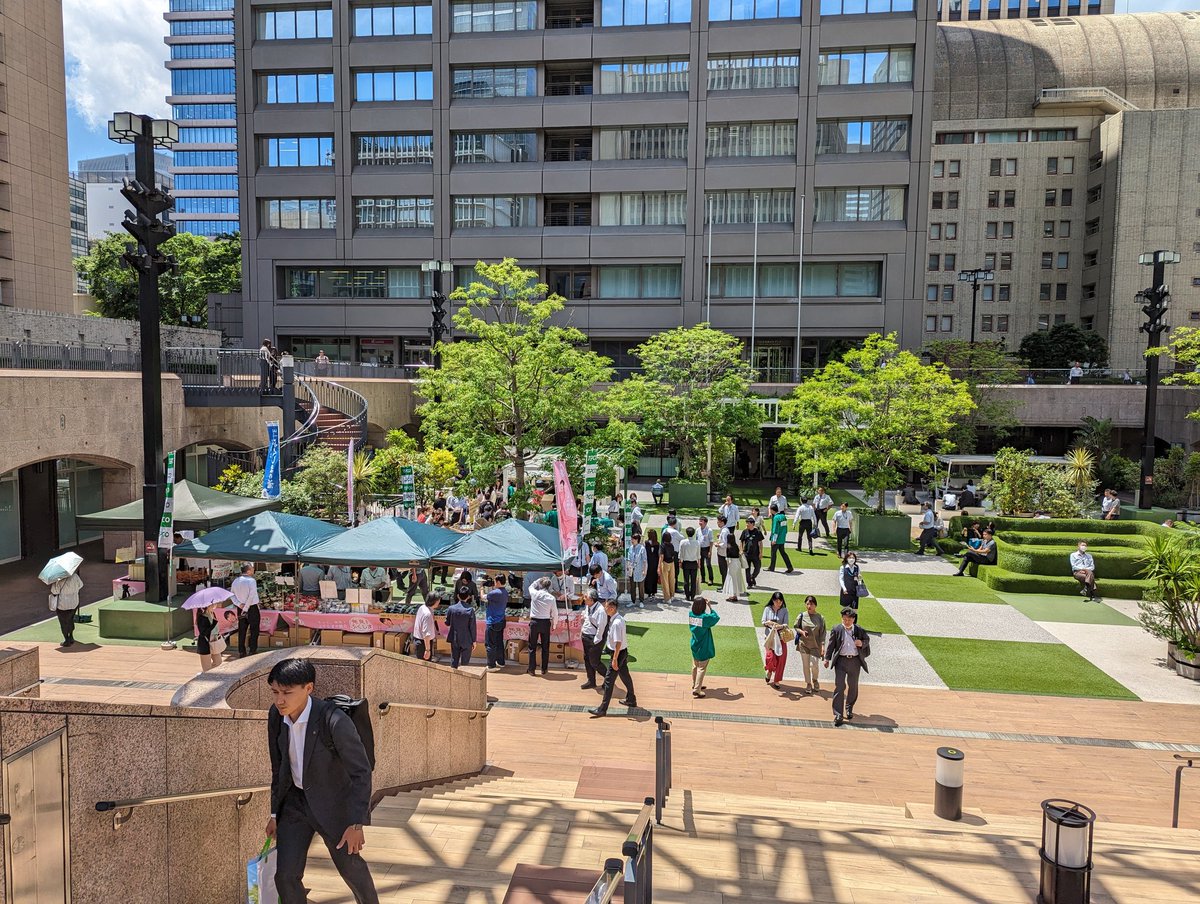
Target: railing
580,20
238,369
336,397
636,866
568,155
605,889
568,89
122,810
1188,762
662,765
49,356
1084,95
574,218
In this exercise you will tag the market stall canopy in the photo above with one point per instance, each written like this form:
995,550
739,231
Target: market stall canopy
513,544
390,542
265,537
197,507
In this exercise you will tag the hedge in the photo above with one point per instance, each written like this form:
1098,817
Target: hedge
1055,560
1055,538
1082,526
1004,581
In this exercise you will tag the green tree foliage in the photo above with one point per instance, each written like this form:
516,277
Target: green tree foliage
514,380
1177,478
694,390
1113,470
1172,610
204,266
1057,347
433,470
1019,485
618,443
984,367
878,411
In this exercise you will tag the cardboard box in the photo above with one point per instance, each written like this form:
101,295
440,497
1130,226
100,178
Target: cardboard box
350,639
300,635
331,638
280,639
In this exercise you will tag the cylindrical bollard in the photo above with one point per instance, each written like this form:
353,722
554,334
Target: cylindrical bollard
948,787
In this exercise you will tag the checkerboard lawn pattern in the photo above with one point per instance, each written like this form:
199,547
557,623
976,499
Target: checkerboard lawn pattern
47,631
660,647
1044,607
871,615
901,586
1007,666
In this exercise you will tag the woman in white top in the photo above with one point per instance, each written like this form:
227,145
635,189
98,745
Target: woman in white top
64,600
735,573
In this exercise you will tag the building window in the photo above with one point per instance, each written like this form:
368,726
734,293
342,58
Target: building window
985,323
1060,318
1051,197
949,261
939,169
504,81
494,212
737,281
651,143
934,262
393,86
644,76
1047,229
653,208
947,323
931,322
865,66
222,51
846,279
862,204
645,12
751,139
1043,321
353,282
993,199
1006,260
505,15
952,200
1064,229
206,205
954,168
495,147
935,231
991,230
205,158
1001,323
1066,197
295,88
201,135
1090,258
1006,229
744,73
948,292
1010,198
1063,260
931,292
1060,291
1004,292
859,7
1094,194
647,281
298,213
1066,166
1053,134
395,19
1044,291
206,182
954,138
1047,260
1051,166
951,231
938,201
1089,291
203,27
192,6
393,213
989,261
314,150
740,206
204,81
393,150
292,24
987,292
738,10
568,146
204,111
862,136
1092,226
574,284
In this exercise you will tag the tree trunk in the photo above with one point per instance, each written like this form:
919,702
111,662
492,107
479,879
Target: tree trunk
882,506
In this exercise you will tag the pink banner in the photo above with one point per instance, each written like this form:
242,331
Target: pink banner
568,514
350,481
227,620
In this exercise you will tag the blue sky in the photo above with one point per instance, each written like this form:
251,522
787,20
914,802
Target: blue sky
111,68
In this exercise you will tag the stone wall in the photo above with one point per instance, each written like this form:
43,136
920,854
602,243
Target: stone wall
48,327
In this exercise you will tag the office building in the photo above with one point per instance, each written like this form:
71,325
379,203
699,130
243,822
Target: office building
989,10
202,99
77,191
102,179
1063,149
594,142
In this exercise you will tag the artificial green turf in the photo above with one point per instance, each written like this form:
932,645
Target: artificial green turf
659,647
85,633
1072,609
1017,668
944,587
871,615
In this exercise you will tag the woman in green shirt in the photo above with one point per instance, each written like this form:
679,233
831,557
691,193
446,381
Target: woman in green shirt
702,621
779,528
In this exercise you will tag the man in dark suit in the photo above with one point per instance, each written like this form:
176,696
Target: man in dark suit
848,649
320,784
460,625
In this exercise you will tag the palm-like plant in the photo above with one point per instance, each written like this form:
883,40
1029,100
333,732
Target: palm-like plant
1173,565
1081,466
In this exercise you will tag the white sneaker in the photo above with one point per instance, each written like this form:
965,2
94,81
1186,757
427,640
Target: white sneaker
641,605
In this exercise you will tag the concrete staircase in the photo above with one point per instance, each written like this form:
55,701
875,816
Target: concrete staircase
460,841
334,429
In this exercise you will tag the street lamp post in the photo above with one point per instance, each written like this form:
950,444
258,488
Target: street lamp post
1155,301
145,224
975,277
438,329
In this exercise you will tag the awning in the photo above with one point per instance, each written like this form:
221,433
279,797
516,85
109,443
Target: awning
989,460
391,542
265,537
197,507
513,544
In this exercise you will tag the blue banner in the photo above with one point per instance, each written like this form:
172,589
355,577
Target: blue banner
272,476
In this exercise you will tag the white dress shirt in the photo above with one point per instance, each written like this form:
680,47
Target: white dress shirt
1082,561
594,619
542,604
635,515
731,512
606,586
583,555
804,512
723,540
424,627
780,502
245,592
296,732
843,519
848,647
616,633
689,550
599,557
706,537
822,501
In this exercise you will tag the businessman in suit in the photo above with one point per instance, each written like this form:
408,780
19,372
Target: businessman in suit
320,784
847,649
460,624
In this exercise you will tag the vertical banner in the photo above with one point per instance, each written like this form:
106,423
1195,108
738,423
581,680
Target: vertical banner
589,490
628,571
350,482
568,513
408,491
166,527
272,476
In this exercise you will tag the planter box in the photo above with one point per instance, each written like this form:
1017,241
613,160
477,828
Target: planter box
687,495
881,531
1186,666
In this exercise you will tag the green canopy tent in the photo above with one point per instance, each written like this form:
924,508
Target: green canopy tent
265,537
511,544
390,542
197,507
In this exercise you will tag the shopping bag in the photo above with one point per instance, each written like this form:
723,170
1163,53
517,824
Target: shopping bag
862,589
260,877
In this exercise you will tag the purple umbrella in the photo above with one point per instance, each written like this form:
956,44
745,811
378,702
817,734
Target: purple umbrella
202,599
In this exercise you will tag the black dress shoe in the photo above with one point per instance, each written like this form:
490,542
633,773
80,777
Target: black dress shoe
587,685
598,711
632,704
850,716
529,671
837,720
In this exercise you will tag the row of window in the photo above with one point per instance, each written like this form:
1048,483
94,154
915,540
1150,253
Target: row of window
1054,9
997,166
205,158
293,24
202,27
204,111
209,228
206,182
192,6
208,135
206,205
206,81
988,292
1000,229
1004,136
202,51
987,323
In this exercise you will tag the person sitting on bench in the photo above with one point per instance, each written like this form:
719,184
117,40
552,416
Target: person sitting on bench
984,555
1083,569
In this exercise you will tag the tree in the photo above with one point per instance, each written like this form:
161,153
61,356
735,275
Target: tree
1018,484
693,389
433,469
617,442
984,367
514,380
1057,347
879,411
204,266
1113,470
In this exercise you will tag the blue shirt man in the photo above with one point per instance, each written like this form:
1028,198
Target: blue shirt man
497,604
495,607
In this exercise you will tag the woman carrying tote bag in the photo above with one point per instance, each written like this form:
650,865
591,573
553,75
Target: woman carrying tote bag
848,581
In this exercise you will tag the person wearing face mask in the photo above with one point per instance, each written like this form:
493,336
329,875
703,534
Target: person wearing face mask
848,581
984,554
1083,569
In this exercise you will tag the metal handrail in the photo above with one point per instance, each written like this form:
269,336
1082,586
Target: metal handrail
662,765
638,851
1188,762
605,889
431,711
122,810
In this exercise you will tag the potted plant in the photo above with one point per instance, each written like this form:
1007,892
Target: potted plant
1172,610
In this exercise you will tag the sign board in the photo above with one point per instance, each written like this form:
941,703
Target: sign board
166,527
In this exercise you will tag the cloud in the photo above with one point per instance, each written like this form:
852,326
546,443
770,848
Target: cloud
115,56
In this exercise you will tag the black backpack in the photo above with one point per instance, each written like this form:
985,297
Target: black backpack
360,714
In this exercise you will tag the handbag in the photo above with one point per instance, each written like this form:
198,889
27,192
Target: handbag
217,645
815,532
862,588
260,876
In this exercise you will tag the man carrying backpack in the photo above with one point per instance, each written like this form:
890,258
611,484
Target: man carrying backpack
320,783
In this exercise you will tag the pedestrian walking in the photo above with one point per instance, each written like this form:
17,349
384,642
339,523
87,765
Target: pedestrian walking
721,546
730,512
779,528
983,554
425,632
495,611
705,536
843,520
418,580
927,538
810,642
775,641
734,584
847,650
322,363
460,628
245,599
848,581
209,642
64,602
613,639
806,525
751,545
822,503
779,501
264,366
636,569
1110,506
320,784
702,620
543,618
689,560
594,620
668,562
652,563
1083,569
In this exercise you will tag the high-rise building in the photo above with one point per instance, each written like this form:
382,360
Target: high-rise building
103,178
1063,149
77,191
596,143
985,10
202,98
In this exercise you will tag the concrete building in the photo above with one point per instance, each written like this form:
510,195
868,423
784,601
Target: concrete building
981,10
35,230
593,147
202,99
103,178
1063,149
77,189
